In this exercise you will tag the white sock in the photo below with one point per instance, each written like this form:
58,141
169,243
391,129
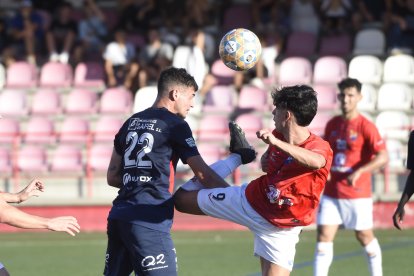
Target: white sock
222,167
374,257
323,258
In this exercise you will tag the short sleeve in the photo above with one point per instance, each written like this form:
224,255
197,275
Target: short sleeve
184,142
410,152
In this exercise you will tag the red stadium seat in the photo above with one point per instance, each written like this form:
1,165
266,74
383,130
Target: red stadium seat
74,130
116,101
9,130
253,98
327,96
250,123
32,159
99,157
301,44
295,70
5,161
223,74
106,128
66,158
81,101
89,75
329,70
13,103
213,128
335,45
210,152
221,98
39,130
21,74
46,102
56,75
318,124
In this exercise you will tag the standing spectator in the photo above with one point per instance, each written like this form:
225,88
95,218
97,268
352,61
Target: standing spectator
398,216
358,151
335,15
304,16
26,30
401,32
92,32
136,15
154,58
120,65
371,12
61,36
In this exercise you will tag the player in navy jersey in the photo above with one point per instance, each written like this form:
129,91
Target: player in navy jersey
140,220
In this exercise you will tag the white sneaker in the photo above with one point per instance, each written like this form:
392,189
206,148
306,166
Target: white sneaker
64,57
54,57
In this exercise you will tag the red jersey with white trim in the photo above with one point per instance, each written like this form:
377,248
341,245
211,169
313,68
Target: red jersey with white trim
289,193
354,143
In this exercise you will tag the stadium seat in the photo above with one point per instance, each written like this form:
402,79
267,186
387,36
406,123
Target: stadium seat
81,101
116,101
301,44
318,124
336,45
99,156
327,96
13,103
5,162
213,128
66,158
295,70
89,75
329,70
369,98
220,99
210,152
399,68
397,154
252,98
144,98
106,128
250,123
366,68
223,74
394,96
21,74
56,75
32,159
46,102
369,42
9,130
2,76
393,124
39,130
74,130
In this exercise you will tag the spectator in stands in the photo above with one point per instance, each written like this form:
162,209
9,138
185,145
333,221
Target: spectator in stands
93,33
358,151
398,216
120,65
335,15
17,218
371,12
303,16
61,36
26,30
401,32
136,15
5,43
154,58
268,15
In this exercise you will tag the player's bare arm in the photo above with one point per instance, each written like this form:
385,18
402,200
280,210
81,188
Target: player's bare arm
34,188
303,156
398,216
205,174
380,159
113,175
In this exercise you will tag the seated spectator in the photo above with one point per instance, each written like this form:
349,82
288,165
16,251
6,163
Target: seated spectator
269,15
371,12
401,32
136,15
26,31
5,42
120,66
153,58
92,32
61,36
303,16
335,15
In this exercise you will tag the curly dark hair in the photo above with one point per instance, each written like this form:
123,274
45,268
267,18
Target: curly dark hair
175,76
301,100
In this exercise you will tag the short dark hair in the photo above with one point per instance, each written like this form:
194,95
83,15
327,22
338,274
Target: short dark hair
349,83
175,76
301,100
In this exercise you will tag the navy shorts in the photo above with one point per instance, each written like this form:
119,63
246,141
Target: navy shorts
137,248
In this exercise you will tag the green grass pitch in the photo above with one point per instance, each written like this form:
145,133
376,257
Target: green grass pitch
199,253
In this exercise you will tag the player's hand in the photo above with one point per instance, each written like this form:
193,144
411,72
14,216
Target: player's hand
266,136
398,217
34,188
264,161
66,224
353,177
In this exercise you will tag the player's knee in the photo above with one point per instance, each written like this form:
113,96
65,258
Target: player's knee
186,201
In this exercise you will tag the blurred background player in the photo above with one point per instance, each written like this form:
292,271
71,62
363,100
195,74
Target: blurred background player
277,205
14,217
358,150
146,149
398,216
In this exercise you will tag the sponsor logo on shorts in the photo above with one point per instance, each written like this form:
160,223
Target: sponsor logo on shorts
153,262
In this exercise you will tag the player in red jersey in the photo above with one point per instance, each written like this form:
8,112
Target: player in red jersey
358,150
277,205
399,213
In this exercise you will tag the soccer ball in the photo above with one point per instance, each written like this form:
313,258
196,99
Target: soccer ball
240,49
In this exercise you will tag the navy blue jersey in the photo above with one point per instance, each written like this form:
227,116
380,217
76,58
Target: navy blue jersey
410,155
148,142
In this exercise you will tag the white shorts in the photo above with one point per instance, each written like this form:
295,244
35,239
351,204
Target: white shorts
277,245
353,214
